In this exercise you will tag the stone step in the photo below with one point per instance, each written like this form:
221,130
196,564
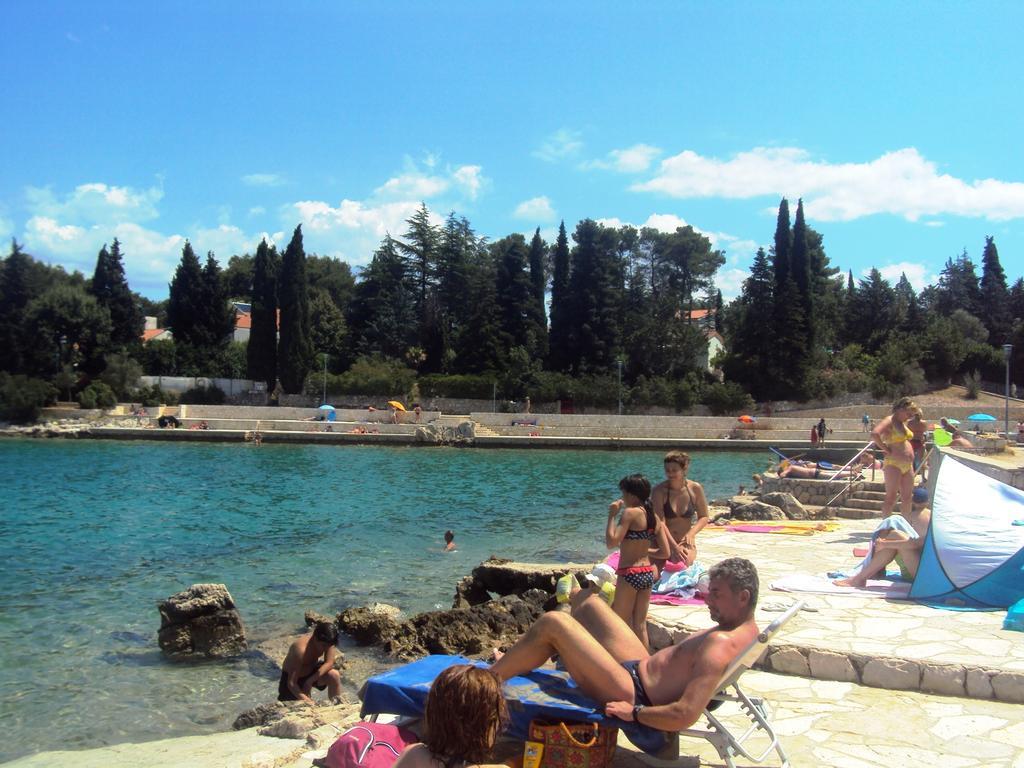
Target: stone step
854,513
855,503
873,495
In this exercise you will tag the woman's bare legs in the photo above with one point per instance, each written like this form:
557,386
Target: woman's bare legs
906,493
892,477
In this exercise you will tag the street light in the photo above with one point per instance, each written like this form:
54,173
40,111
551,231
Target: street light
324,400
619,361
1007,349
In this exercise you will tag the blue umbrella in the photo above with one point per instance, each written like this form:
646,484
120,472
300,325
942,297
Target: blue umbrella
980,417
326,407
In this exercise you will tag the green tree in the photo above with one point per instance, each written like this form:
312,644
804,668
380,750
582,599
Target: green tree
958,287
295,353
110,287
185,310
261,352
597,291
333,277
121,374
478,346
458,250
68,326
420,251
995,296
219,314
326,326
751,344
383,318
560,337
871,315
238,276
538,285
514,294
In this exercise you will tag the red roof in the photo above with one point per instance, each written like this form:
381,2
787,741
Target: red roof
152,333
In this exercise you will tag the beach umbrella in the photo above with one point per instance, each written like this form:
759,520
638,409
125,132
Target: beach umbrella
954,422
746,419
980,417
326,407
396,405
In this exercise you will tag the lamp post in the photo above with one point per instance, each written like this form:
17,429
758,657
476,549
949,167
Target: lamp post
1007,349
619,361
324,400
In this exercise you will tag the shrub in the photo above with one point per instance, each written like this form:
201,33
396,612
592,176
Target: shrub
367,376
154,396
211,395
121,374
464,385
97,395
21,397
725,398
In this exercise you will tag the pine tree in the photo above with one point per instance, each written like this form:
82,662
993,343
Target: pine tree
294,351
478,346
17,289
457,249
383,316
751,346
261,352
560,337
538,283
958,287
871,315
995,296
420,251
111,290
596,287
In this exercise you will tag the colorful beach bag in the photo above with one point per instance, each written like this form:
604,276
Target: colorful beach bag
369,745
574,745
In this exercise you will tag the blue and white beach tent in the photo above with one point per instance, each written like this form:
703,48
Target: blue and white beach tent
973,554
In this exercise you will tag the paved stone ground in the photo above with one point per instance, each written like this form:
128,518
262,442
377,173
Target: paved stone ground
893,644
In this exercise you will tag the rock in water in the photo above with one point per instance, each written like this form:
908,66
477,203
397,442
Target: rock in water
201,620
756,510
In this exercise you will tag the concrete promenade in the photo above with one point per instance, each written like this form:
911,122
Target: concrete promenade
893,644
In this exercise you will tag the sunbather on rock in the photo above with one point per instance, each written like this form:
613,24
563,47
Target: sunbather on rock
890,543
667,690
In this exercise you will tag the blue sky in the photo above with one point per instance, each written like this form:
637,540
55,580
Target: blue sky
900,124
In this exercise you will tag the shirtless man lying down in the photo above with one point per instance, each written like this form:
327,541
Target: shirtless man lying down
667,690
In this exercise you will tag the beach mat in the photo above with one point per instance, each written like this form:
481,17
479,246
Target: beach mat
822,585
542,694
791,527
657,599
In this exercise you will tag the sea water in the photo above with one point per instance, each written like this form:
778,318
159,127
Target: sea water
94,534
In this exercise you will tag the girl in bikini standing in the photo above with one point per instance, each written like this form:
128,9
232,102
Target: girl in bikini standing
681,505
894,438
634,532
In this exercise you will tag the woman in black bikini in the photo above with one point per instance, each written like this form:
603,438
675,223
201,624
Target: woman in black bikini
681,505
634,532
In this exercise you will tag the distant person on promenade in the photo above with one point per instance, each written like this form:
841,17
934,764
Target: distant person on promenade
679,503
814,436
639,535
310,664
449,541
893,437
897,539
822,431
667,690
865,423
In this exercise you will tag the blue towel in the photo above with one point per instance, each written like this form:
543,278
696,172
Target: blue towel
543,694
891,523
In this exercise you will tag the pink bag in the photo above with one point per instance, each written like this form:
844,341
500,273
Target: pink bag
369,745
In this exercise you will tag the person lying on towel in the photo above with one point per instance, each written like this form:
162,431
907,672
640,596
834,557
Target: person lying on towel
897,539
667,690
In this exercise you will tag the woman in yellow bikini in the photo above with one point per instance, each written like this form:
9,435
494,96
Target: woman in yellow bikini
893,436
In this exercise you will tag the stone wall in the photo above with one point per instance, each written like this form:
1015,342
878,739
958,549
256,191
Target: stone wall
810,492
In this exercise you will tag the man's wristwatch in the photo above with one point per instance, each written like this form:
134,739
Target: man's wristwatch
636,712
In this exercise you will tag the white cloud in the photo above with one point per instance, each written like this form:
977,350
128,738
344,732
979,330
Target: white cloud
413,185
902,183
730,282
263,180
560,145
51,233
469,179
257,210
917,274
633,159
95,203
535,209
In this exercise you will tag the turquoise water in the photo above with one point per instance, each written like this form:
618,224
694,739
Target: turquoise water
94,534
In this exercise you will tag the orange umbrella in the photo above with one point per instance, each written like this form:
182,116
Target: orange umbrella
396,405
746,419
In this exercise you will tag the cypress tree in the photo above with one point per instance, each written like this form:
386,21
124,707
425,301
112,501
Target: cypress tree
800,269
111,290
560,338
995,296
261,352
596,287
294,352
16,291
220,315
538,283
751,346
514,293
184,305
783,240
